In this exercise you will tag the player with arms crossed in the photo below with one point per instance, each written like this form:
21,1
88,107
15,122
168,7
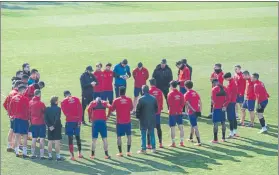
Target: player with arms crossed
176,104
72,109
97,115
262,99
123,106
194,107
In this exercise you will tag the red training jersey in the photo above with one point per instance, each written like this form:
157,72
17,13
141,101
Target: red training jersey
193,98
241,83
260,91
72,109
99,76
232,91
176,102
36,111
19,107
218,76
140,77
158,94
250,93
218,101
7,101
97,110
184,75
107,80
123,106
29,92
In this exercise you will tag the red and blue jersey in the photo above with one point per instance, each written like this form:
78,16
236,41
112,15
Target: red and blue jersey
176,102
193,98
260,91
97,110
72,109
107,80
19,107
99,76
123,106
36,111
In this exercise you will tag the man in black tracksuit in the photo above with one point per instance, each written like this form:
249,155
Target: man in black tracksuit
163,76
87,82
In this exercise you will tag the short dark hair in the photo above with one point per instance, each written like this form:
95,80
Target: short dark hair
24,65
145,89
53,99
152,82
178,63
184,61
99,64
256,75
214,80
218,65
19,72
122,90
227,75
34,71
246,72
66,93
238,66
189,84
25,77
124,61
173,84
21,88
41,84
17,83
37,92
108,64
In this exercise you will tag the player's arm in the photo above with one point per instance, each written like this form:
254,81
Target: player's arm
90,111
128,71
147,74
131,105
115,72
80,110
6,102
134,74
257,92
111,109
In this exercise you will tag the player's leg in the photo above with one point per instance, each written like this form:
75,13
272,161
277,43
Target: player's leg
251,109
159,133
148,141
116,89
119,145
152,139
183,91
42,141
172,123
128,132
103,132
120,133
215,132
69,131
50,142
243,112
179,121
77,136
35,134
193,121
143,142
110,97
223,123
136,97
71,146
93,147
260,111
24,131
10,147
84,105
197,133
191,134
17,140
57,150
24,148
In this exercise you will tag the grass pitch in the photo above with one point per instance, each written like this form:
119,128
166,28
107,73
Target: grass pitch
61,39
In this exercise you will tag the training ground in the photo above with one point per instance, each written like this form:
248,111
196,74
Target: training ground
61,39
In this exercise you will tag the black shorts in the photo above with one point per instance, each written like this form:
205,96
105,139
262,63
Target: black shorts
55,134
87,99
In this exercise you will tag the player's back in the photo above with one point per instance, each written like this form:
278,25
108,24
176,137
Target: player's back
36,110
175,101
19,107
193,98
123,106
219,96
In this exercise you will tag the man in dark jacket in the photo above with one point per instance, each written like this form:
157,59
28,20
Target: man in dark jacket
53,122
146,113
163,76
87,82
184,61
26,69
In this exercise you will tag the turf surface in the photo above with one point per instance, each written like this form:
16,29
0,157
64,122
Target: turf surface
61,39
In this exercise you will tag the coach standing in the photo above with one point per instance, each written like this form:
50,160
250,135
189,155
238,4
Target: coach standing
121,73
87,82
146,113
163,76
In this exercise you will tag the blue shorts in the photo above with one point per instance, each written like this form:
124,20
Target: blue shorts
182,90
97,94
264,104
240,99
231,115
12,124
99,126
175,119
158,119
21,126
249,104
137,92
108,95
72,128
218,116
38,131
193,120
123,129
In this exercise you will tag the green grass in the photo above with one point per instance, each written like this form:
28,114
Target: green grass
61,39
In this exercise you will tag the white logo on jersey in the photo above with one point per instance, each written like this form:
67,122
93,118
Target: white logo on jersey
177,97
123,101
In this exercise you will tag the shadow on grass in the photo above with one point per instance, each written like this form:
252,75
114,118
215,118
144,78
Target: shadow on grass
119,4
